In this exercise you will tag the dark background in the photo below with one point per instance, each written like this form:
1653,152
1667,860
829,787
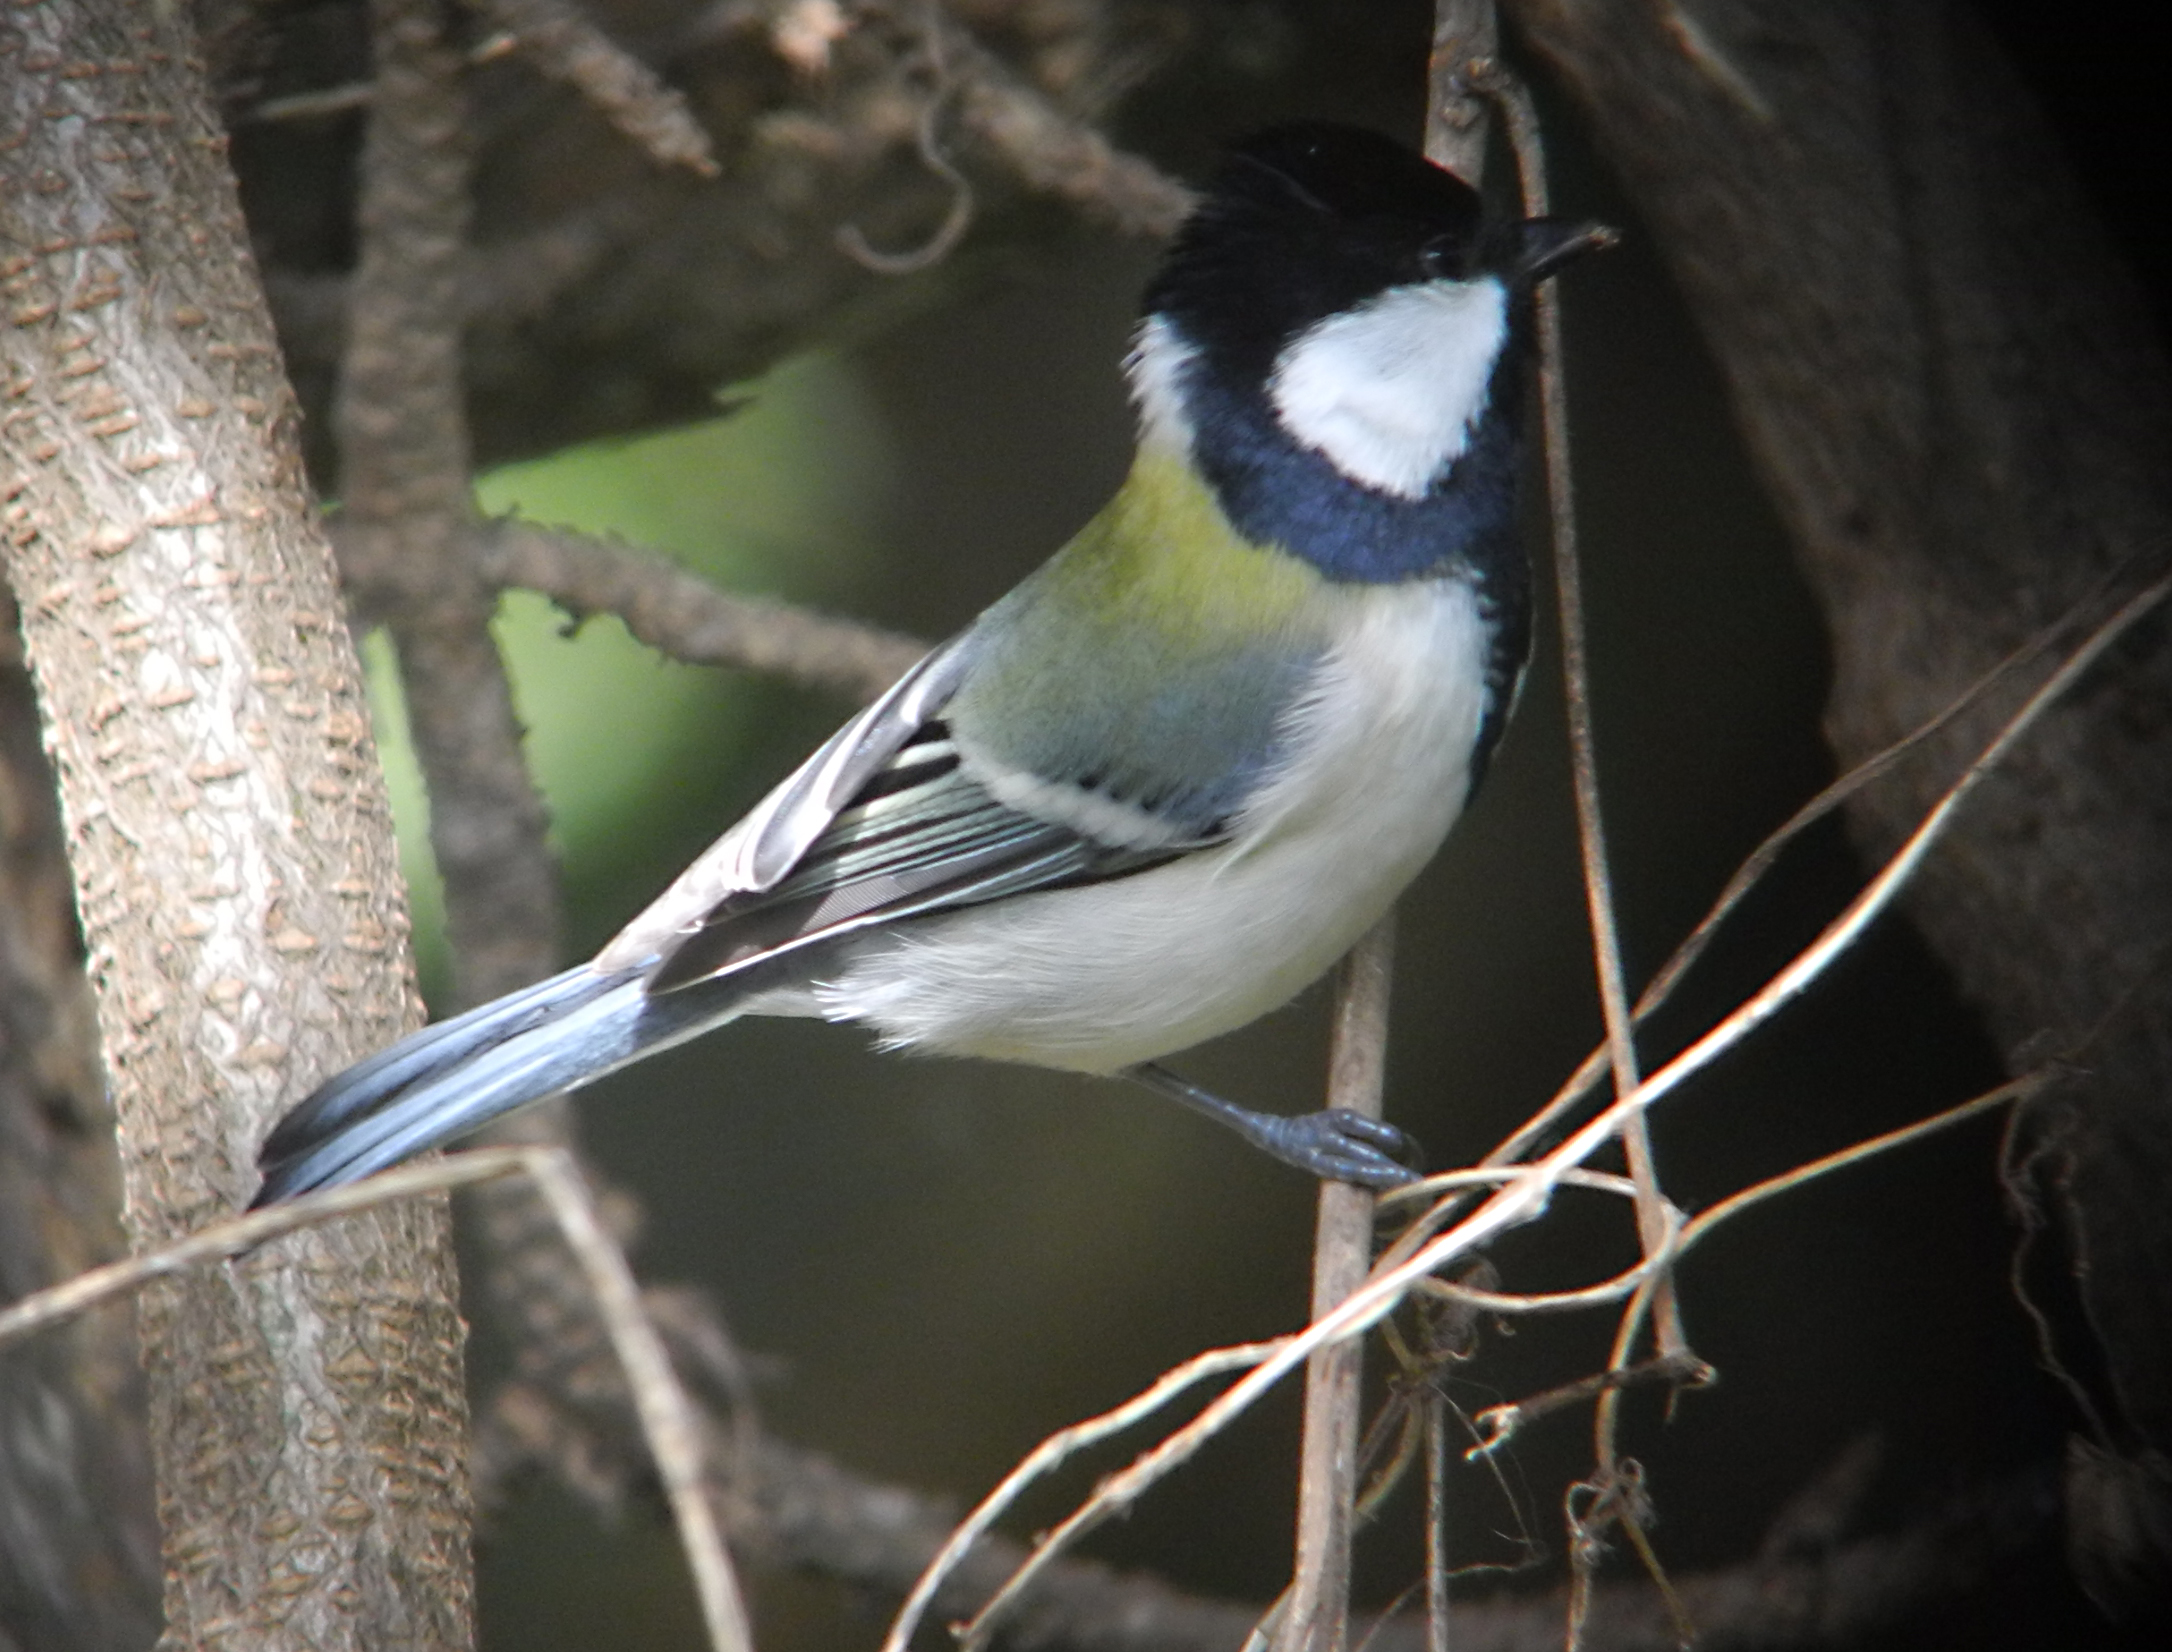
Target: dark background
941,1263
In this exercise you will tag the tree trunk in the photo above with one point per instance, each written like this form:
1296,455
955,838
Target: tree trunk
230,842
78,1537
1961,407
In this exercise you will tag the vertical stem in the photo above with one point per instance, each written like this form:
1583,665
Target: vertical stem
1522,122
1436,1522
404,483
1464,31
1342,1249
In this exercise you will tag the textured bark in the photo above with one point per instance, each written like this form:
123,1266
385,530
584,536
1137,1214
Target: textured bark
1961,407
230,842
78,1537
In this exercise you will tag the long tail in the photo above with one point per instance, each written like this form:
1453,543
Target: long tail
454,1076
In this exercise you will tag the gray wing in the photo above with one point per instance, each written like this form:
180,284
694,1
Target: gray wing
883,822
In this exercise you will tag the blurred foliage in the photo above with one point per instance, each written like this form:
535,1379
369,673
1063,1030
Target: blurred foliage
783,494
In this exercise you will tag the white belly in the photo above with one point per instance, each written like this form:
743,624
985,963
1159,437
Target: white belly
1101,977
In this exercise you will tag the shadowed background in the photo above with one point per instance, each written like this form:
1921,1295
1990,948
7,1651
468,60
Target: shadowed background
935,1264
940,1262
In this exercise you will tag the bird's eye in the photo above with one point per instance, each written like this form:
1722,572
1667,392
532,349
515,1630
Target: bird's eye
1442,258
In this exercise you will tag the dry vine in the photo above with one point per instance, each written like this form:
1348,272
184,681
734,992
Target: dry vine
1526,1188
451,590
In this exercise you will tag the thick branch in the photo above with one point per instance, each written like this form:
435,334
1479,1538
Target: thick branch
231,846
809,1513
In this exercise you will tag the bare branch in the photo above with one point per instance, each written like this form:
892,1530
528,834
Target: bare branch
1908,293
1530,1188
405,486
666,1415
1465,33
234,1237
1053,152
1521,119
685,617
1766,855
566,46
1048,1456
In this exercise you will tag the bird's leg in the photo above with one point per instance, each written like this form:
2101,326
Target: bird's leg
1334,1144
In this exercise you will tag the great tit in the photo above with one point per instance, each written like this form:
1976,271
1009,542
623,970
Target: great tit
1163,784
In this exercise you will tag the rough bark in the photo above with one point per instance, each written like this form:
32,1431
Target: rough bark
78,1537
1962,409
230,843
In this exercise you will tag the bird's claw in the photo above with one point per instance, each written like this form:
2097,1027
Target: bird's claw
1338,1145
1334,1144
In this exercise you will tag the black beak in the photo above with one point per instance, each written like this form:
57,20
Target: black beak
1543,245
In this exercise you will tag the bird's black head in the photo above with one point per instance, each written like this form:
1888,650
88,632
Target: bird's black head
1310,220
1331,341
1302,222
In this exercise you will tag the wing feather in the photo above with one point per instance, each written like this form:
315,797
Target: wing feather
770,839
894,817
922,836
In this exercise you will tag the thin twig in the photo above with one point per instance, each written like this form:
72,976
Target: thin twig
1767,854
1834,940
927,141
1475,1177
1528,1193
1314,1614
667,1415
1050,149
239,1235
1521,118
1510,1304
1436,1521
1050,1454
2012,1091
1495,1426
320,104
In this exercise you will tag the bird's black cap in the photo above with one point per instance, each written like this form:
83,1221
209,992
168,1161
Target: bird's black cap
1346,173
1308,220
1304,221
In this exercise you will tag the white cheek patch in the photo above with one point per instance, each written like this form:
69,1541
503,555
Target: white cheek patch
1390,391
1156,364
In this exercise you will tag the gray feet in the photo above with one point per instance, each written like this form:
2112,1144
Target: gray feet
1334,1144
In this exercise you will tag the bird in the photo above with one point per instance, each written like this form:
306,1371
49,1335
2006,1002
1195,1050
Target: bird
1163,784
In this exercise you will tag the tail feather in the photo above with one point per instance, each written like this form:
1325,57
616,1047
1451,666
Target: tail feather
460,1074
419,1057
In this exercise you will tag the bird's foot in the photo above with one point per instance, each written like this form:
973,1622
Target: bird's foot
1334,1144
